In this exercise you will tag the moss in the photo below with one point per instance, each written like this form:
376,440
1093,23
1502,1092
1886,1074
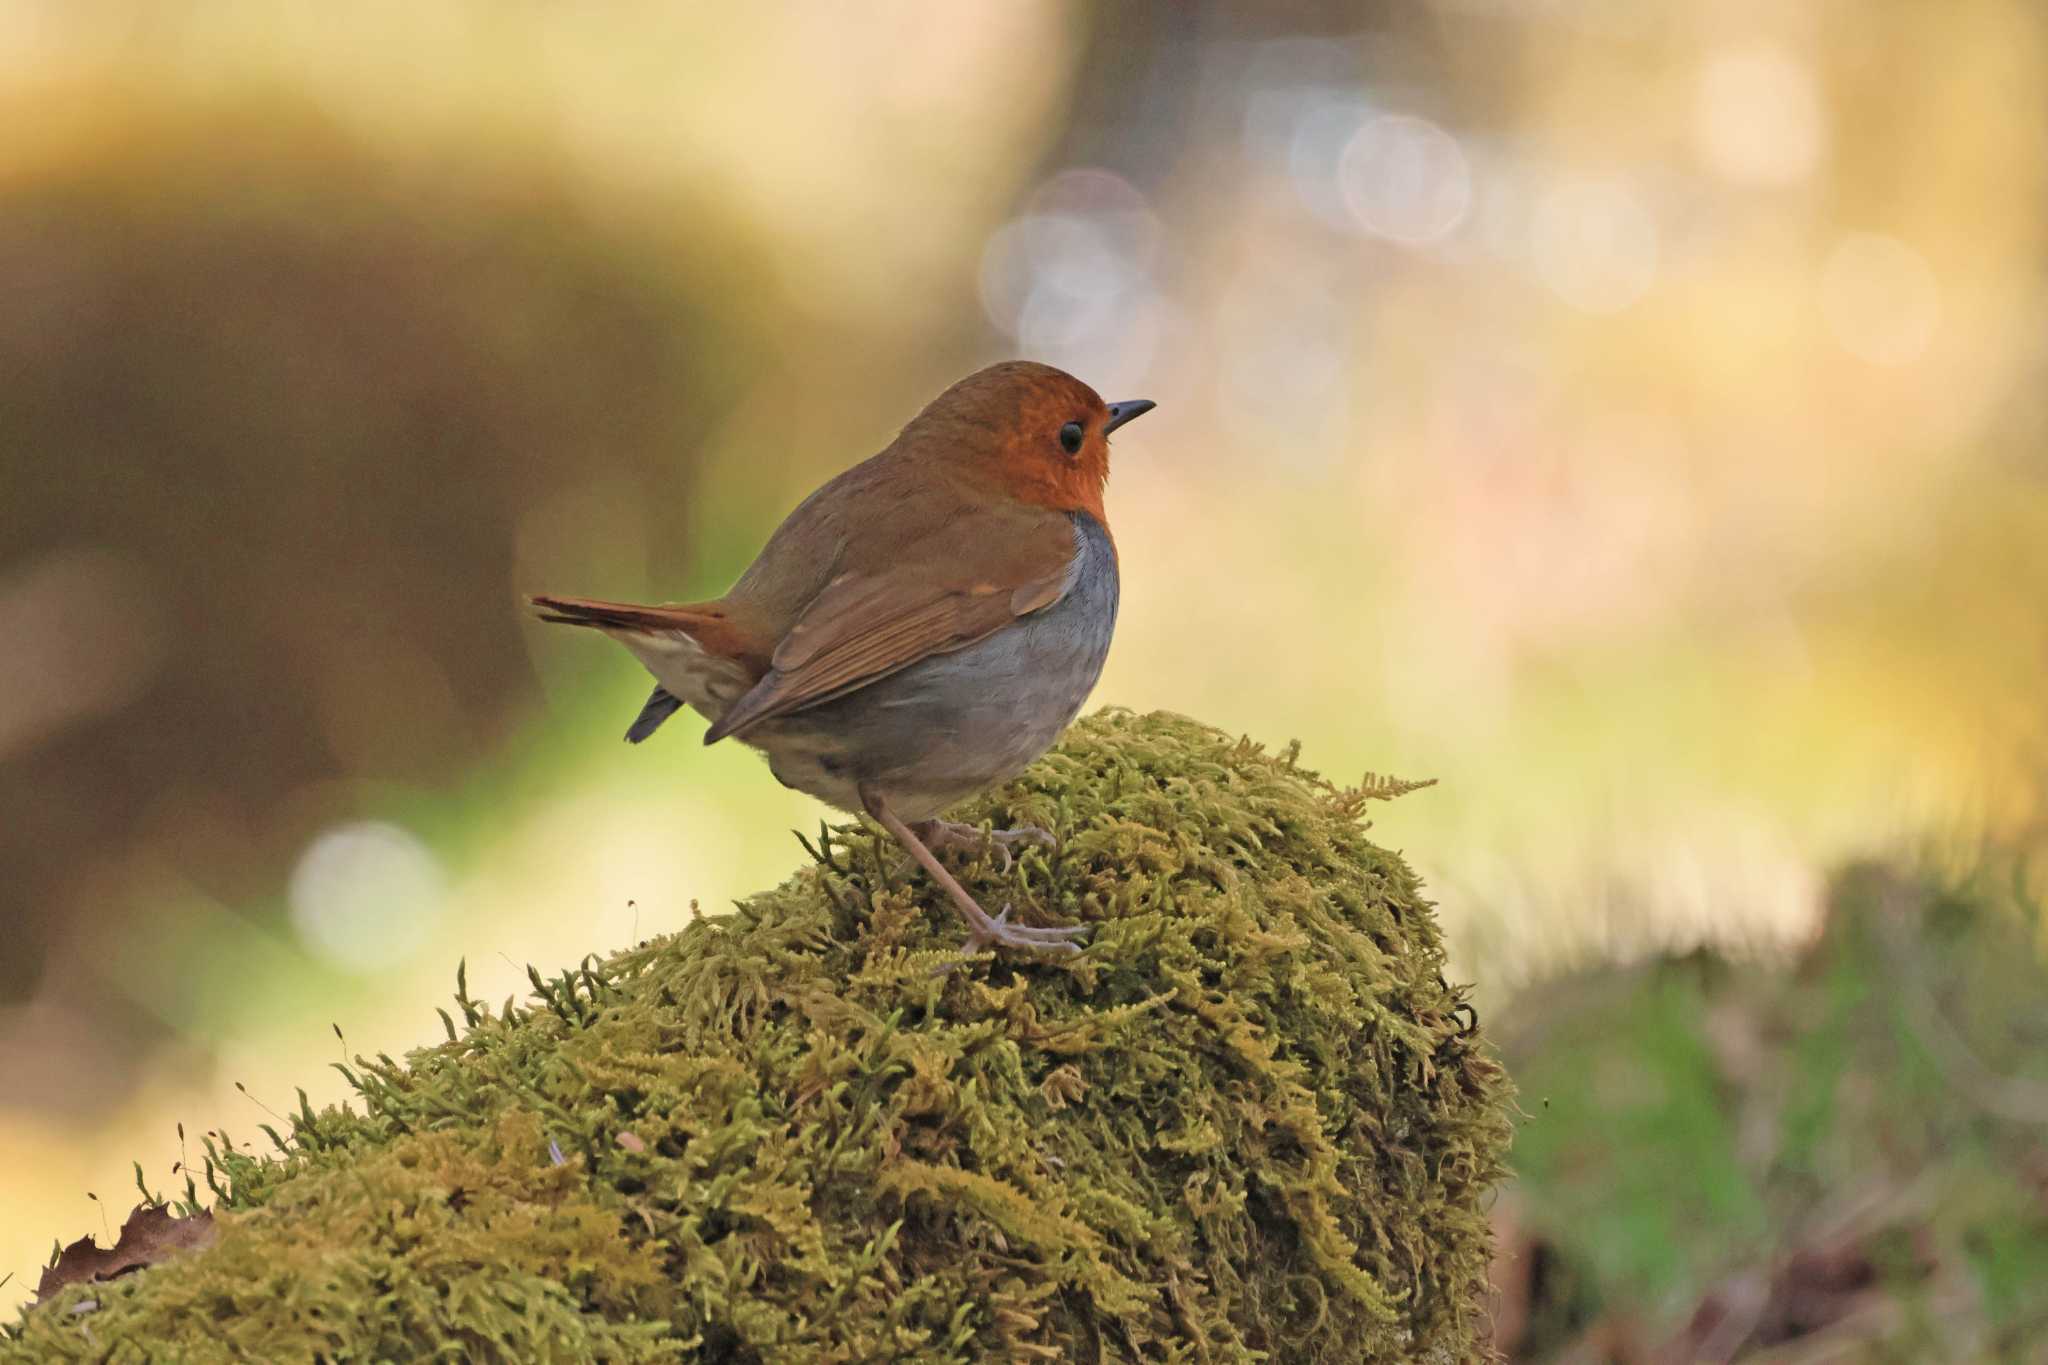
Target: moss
1251,1122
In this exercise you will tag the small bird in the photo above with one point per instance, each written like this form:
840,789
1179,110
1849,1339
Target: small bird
920,628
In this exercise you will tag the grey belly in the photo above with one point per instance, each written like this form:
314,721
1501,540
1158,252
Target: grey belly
956,724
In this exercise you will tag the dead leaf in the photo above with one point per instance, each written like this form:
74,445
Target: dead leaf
152,1234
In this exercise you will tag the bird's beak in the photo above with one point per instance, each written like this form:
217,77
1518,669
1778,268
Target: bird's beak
1120,413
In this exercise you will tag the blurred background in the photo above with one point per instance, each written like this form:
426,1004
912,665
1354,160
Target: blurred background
1632,416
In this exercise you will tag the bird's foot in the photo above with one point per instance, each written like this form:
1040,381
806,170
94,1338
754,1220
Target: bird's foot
939,835
983,930
1000,931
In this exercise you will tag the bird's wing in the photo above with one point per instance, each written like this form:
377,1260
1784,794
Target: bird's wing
974,574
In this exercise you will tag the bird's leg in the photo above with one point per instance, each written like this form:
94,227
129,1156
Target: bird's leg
940,835
983,929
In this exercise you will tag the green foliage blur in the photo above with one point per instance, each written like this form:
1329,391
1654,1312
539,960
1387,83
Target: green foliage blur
1842,1152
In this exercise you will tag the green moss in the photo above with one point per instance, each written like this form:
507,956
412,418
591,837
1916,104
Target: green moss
1250,1122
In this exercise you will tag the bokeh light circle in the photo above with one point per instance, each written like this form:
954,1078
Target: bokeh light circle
1880,299
365,895
1595,244
1758,116
1405,179
1069,278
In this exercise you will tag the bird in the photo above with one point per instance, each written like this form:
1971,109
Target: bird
920,629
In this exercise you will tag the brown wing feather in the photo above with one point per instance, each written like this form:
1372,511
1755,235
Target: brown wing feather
961,585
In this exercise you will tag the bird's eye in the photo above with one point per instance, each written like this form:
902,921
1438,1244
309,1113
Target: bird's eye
1071,437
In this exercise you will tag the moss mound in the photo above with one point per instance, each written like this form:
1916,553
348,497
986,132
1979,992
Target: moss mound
1251,1122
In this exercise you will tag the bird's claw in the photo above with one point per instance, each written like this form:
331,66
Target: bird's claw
1000,931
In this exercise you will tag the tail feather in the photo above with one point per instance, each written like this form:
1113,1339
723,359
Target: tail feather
712,625
659,708
583,611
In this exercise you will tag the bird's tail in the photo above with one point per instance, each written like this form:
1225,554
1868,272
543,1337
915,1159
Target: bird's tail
584,611
709,624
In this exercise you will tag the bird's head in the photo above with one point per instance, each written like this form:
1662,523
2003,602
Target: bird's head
1032,432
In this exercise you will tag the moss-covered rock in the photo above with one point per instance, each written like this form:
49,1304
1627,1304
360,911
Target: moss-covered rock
1251,1122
